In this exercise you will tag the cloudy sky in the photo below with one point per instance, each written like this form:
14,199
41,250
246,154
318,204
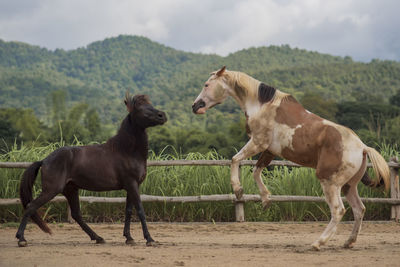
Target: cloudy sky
362,29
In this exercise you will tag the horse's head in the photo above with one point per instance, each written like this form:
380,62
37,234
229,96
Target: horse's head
214,92
142,112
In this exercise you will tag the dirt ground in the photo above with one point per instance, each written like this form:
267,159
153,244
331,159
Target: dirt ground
203,244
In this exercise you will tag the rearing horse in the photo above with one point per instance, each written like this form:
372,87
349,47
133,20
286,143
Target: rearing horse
278,125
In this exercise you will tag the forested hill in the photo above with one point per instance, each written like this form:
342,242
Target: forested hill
100,73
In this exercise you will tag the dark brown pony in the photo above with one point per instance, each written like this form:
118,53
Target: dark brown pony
118,164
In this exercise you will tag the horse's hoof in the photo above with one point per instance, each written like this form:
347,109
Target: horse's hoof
239,193
100,241
130,242
22,243
266,203
152,243
316,247
348,244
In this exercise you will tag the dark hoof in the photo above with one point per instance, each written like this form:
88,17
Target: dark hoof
22,243
239,193
100,241
348,244
130,242
152,243
266,205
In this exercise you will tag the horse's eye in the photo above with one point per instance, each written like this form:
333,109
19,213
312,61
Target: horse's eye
206,85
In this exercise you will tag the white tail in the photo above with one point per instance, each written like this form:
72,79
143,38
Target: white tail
380,166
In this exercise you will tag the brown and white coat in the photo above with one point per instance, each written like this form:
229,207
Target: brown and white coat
278,125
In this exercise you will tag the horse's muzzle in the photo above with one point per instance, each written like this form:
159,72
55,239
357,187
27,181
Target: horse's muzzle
162,117
200,104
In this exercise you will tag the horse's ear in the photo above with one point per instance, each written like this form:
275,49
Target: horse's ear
128,102
221,71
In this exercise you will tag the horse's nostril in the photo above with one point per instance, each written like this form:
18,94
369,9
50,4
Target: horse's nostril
197,105
161,115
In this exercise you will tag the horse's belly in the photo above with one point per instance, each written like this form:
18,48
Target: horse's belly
282,139
94,178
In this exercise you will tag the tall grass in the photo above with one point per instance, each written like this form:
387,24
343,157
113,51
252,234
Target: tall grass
192,180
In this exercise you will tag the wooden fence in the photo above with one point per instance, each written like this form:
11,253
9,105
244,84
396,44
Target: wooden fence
394,199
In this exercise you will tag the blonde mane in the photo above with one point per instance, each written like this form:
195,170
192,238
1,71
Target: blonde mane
246,86
281,97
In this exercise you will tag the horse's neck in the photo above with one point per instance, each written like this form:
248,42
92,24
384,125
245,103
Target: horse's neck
130,139
244,89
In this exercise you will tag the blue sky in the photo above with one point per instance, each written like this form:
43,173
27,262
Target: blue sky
362,29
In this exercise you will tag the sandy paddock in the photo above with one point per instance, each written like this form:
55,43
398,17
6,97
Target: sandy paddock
203,244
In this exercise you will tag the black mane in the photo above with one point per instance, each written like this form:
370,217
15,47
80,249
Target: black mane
130,138
265,93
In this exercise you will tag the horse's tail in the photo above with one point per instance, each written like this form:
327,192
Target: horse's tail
25,193
381,168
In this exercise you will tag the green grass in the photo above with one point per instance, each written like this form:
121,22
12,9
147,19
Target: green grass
188,181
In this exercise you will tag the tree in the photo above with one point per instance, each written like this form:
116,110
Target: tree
326,109
395,99
357,115
161,138
93,124
8,135
25,122
59,106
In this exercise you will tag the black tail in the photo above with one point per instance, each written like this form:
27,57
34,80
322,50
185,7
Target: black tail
25,193
366,180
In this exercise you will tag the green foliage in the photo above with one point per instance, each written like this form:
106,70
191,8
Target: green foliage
23,126
56,84
8,135
358,114
395,99
100,73
326,109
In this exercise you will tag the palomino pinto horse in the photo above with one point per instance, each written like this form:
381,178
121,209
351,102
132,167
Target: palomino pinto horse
279,126
120,163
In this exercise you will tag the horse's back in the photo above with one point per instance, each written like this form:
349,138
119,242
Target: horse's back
88,167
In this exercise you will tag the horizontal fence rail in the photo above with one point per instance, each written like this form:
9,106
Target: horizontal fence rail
166,163
205,198
394,200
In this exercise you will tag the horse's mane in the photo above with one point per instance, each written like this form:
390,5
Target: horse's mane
282,97
247,86
243,84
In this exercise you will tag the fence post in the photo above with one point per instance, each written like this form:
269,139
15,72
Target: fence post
394,190
239,206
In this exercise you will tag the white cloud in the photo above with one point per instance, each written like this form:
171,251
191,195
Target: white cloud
353,27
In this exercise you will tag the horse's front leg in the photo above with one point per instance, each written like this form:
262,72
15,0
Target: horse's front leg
250,149
128,215
140,212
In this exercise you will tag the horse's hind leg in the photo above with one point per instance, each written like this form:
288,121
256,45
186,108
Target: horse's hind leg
332,196
31,209
358,208
351,193
262,162
71,193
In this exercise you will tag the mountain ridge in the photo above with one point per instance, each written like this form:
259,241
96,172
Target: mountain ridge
102,71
